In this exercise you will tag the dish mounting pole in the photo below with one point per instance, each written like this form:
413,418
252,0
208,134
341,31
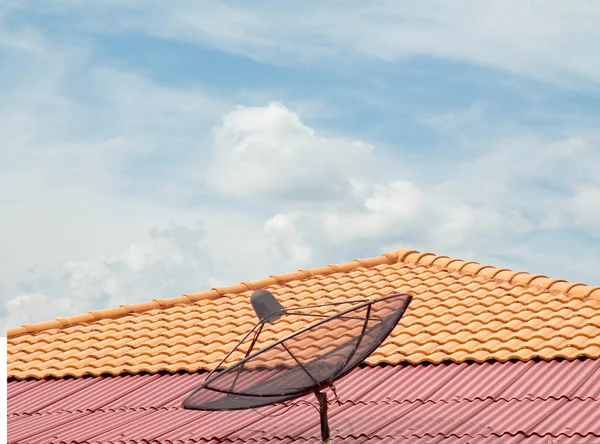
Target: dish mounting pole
322,398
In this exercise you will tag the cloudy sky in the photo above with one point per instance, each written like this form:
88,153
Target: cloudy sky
152,148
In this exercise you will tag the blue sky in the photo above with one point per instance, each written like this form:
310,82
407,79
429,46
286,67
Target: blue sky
153,148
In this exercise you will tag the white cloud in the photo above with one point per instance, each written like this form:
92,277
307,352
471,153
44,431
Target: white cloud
173,260
266,152
78,134
586,207
288,244
25,308
515,185
466,216
257,153
187,256
572,146
554,42
389,212
158,107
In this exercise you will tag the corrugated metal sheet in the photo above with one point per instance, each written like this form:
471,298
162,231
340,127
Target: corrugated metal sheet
507,439
556,401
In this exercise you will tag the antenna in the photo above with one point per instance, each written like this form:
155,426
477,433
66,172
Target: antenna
310,359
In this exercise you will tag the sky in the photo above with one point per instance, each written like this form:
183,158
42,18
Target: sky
151,148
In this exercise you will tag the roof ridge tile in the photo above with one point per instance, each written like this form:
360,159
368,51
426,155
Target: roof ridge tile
471,268
504,274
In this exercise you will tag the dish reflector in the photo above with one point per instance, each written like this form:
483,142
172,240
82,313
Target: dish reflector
306,360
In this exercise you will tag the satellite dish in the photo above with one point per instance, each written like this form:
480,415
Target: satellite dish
309,359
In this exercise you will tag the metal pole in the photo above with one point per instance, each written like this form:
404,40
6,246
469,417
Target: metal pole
322,397
241,366
231,352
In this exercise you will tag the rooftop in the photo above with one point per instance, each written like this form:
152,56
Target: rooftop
461,311
556,401
481,354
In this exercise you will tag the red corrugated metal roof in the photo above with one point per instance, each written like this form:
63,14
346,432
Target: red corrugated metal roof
515,401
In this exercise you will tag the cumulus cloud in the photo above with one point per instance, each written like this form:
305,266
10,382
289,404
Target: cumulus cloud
334,209
268,152
332,199
288,242
174,260
394,212
515,186
93,157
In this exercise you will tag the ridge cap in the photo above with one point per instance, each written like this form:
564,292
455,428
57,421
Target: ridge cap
214,293
471,268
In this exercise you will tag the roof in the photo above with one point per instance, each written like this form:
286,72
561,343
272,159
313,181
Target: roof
490,402
461,311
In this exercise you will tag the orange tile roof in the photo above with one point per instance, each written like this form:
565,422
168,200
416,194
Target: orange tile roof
461,311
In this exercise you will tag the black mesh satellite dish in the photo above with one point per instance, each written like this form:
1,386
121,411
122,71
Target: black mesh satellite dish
309,359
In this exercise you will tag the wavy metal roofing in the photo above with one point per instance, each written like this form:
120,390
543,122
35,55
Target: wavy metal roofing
558,401
461,311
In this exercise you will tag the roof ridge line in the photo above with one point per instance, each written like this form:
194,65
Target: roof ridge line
214,293
488,272
491,273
